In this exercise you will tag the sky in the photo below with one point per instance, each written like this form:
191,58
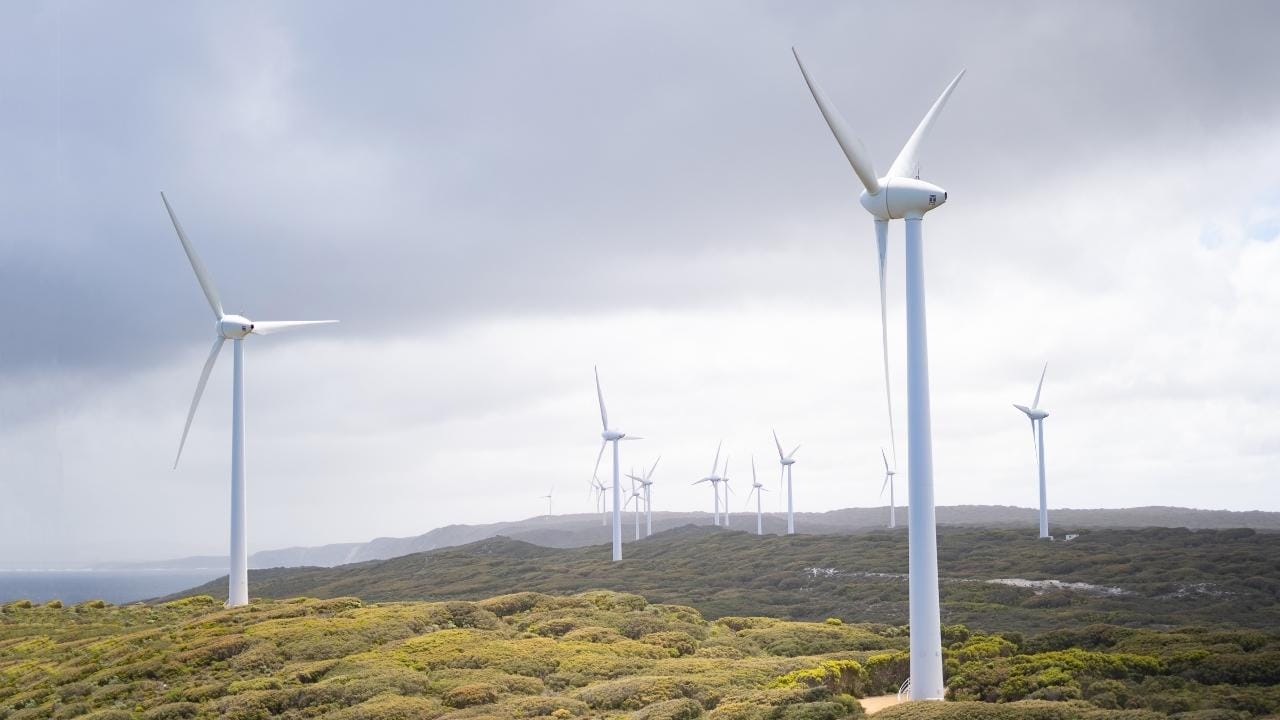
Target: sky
493,197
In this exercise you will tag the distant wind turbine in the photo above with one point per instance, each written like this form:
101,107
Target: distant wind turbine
715,482
647,483
727,490
597,496
757,488
901,194
638,497
1037,416
234,328
888,483
547,497
611,435
787,460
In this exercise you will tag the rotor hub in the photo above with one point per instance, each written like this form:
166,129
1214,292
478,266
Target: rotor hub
234,327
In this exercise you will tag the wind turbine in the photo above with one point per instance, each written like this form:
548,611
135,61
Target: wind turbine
550,493
727,490
787,460
902,195
888,483
610,435
234,328
757,488
647,483
639,500
597,494
715,481
1037,416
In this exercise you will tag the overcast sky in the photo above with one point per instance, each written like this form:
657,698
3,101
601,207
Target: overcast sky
494,196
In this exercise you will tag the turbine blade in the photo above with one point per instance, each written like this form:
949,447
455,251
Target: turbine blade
848,141
716,463
726,468
886,462
195,400
1036,403
908,162
631,437
655,467
266,327
596,474
882,247
754,481
793,451
604,416
779,444
886,482
202,273
1034,444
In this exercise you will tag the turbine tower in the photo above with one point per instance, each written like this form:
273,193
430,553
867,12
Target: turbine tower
234,328
901,195
547,497
638,497
647,483
1037,416
610,435
787,460
597,492
715,482
725,480
756,488
888,483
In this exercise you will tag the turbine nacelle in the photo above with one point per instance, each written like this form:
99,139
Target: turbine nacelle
787,461
901,197
234,327
611,435
1033,413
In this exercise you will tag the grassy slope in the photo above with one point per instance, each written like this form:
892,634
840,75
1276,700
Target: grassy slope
1171,576
595,655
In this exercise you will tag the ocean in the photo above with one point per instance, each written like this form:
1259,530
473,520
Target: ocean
114,586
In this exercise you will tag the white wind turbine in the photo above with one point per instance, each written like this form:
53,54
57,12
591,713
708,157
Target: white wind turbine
902,195
757,488
888,483
727,490
1037,416
597,492
234,328
610,435
547,497
715,482
638,497
646,482
787,460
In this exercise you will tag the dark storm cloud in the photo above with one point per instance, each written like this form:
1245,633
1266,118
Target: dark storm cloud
428,162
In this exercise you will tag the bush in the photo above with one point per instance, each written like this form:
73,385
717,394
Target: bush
841,677
681,643
173,711
470,695
679,709
54,604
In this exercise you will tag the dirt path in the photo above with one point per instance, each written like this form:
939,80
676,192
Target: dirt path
879,702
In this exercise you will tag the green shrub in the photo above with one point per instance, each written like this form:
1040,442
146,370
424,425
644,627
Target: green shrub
471,694
173,711
681,643
841,677
54,604
678,709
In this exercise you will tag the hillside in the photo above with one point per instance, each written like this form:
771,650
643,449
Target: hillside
1150,577
579,530
594,655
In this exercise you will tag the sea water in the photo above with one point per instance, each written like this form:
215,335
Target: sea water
114,586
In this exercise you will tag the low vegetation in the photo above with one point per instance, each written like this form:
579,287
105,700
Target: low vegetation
1153,577
596,654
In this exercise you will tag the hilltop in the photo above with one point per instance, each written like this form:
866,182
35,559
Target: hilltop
583,529
591,655
993,580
